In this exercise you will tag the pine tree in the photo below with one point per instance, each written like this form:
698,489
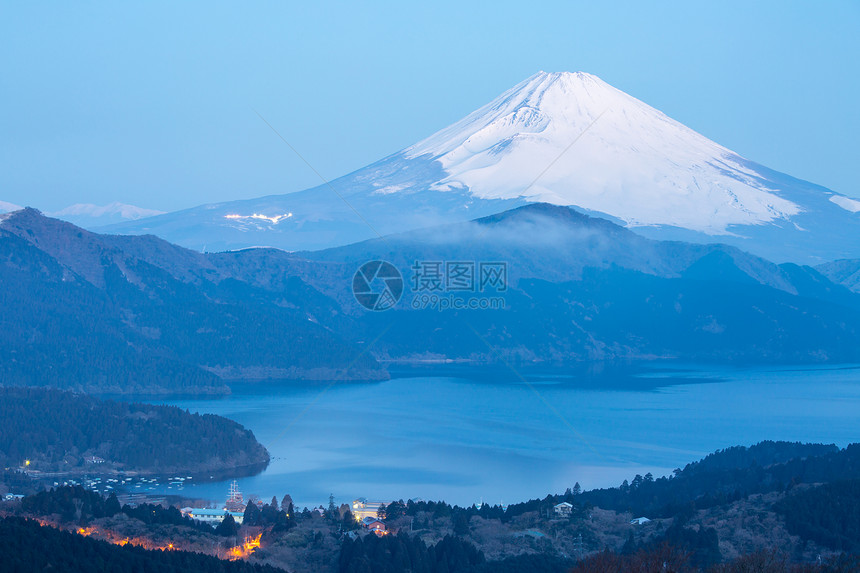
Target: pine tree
332,508
349,522
228,527
629,545
461,523
112,506
252,514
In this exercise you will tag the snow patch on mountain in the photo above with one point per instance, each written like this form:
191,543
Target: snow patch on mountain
572,139
846,203
88,215
132,212
9,207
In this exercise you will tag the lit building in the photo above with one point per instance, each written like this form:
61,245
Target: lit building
211,516
235,506
564,509
362,508
374,525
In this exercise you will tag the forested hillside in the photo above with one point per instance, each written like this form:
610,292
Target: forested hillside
729,475
103,314
56,430
828,514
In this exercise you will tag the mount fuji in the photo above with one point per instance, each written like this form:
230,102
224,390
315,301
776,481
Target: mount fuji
562,138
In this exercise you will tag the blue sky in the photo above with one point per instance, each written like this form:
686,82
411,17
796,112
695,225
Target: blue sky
153,103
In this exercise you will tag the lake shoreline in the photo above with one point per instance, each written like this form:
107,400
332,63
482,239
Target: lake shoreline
466,434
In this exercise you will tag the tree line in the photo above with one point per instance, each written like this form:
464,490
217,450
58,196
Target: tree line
729,475
828,514
396,553
77,505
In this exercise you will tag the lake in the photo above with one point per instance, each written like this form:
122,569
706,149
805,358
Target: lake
466,435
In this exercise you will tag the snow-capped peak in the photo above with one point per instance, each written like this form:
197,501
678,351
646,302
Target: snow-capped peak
572,139
569,139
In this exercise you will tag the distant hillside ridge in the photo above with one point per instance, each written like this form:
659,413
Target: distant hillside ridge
124,314
48,430
138,315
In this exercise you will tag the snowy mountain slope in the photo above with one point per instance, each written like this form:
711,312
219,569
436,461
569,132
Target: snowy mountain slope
6,207
562,138
88,215
572,139
318,218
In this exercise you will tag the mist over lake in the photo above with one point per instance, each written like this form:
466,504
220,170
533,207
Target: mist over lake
469,435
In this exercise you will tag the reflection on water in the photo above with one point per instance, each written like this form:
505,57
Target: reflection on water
464,435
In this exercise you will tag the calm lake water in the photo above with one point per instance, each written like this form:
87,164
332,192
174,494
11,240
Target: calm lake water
465,436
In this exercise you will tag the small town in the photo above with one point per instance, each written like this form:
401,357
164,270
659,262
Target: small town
641,520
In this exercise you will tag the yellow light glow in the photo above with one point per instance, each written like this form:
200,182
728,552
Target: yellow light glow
244,550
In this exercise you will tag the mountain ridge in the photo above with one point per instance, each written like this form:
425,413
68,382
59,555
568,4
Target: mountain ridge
138,314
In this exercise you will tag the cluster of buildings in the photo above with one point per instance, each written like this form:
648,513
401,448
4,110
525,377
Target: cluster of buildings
365,512
565,509
362,508
235,507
